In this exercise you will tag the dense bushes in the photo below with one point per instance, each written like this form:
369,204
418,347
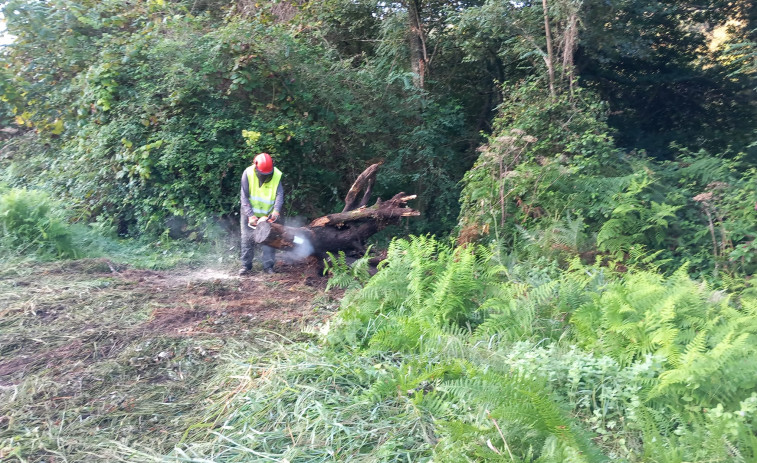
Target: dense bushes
169,123
150,111
36,227
550,178
162,108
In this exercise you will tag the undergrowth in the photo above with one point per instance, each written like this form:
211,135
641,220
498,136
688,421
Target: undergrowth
31,223
36,228
458,354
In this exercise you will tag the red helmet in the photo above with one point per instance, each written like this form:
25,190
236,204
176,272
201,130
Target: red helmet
263,163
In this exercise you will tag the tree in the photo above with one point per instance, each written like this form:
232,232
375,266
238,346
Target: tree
146,108
650,61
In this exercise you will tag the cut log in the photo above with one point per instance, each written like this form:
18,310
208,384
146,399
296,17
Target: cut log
278,236
343,231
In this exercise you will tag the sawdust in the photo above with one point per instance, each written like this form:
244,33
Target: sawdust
209,300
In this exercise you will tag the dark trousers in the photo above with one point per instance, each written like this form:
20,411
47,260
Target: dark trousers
248,247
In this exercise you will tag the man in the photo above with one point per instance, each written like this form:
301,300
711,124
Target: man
262,197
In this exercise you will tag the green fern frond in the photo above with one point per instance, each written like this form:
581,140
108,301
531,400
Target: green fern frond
453,292
704,169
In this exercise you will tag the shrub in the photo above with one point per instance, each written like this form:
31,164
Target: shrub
32,223
549,161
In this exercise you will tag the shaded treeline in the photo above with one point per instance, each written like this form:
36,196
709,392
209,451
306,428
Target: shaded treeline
141,115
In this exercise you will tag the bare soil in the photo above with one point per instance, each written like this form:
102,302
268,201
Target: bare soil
94,357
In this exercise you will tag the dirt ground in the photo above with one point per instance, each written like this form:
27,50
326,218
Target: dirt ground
95,358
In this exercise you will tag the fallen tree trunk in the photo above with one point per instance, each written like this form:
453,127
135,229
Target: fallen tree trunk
344,231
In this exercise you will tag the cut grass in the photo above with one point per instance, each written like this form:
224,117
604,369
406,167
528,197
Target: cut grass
306,404
96,358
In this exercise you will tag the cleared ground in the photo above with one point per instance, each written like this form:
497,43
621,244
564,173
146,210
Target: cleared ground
97,359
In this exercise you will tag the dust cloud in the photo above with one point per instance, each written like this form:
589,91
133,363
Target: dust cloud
302,246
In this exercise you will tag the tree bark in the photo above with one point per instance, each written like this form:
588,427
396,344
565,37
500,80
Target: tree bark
364,182
343,231
550,58
570,42
418,52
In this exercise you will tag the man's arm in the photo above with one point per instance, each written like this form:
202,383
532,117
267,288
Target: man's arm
244,196
278,204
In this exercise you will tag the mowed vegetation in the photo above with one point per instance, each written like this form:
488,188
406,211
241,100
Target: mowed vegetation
578,288
98,359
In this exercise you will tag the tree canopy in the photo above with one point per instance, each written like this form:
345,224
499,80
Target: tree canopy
147,111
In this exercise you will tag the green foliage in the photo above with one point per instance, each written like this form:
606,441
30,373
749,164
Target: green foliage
676,319
653,62
32,223
569,192
545,163
647,347
635,222
442,289
147,107
35,227
658,73
344,275
315,409
503,362
533,425
151,113
479,394
425,302
743,55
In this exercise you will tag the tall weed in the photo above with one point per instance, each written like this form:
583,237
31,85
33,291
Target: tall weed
32,223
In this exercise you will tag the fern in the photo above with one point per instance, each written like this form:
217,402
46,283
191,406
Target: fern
561,239
397,334
452,295
703,169
450,342
344,275
707,345
31,223
635,221
522,410
476,345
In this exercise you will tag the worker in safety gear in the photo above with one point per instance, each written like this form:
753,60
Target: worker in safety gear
262,197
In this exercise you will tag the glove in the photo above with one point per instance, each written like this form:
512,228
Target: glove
274,216
252,221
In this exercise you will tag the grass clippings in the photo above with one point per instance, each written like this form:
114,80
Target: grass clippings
96,358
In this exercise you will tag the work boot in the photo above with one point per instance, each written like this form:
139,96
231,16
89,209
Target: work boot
244,271
269,270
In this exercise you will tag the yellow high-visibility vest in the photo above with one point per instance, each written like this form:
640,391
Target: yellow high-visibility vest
263,197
